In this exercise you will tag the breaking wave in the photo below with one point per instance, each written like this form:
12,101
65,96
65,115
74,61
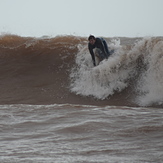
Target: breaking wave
59,70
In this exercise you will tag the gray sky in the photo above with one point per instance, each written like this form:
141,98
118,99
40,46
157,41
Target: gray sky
108,18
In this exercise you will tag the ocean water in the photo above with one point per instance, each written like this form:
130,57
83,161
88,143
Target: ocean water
55,107
80,133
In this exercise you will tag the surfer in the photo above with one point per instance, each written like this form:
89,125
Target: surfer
101,51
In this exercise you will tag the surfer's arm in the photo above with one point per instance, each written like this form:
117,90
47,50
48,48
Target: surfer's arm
92,54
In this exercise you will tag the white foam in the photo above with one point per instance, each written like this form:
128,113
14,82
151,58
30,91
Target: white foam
102,80
114,74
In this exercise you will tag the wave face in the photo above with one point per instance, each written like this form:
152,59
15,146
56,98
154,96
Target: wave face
59,70
36,70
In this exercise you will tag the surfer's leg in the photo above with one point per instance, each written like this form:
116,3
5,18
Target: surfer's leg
106,49
97,56
100,54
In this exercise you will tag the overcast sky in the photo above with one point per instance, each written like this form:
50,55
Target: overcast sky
108,18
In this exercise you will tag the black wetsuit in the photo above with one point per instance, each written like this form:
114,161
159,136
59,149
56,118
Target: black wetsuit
100,43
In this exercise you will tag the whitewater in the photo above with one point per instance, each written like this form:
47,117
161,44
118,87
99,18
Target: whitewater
55,106
138,67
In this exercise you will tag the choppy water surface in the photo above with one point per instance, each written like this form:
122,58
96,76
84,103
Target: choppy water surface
80,133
